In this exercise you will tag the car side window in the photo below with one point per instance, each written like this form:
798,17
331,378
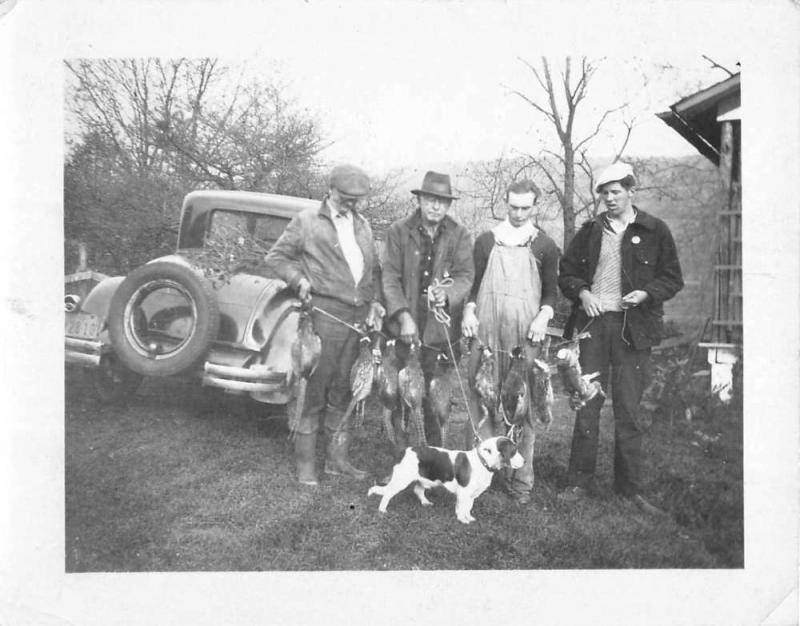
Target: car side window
226,226
239,226
269,227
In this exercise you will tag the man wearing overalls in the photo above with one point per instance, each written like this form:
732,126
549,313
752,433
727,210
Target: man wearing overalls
512,300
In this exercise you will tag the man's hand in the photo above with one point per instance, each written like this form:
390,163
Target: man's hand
408,328
469,321
437,296
538,328
591,303
303,289
375,316
634,298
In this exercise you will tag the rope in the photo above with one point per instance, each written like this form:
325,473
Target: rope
341,321
580,335
439,313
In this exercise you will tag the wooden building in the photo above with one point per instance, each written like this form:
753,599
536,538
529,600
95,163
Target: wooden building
711,121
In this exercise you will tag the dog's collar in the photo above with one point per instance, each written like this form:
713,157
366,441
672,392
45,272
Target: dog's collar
482,460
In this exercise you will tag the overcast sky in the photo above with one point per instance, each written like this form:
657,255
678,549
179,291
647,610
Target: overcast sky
430,82
411,83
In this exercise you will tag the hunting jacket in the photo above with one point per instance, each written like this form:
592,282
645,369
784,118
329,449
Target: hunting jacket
401,279
309,247
649,262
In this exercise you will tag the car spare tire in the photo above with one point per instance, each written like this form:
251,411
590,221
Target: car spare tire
162,319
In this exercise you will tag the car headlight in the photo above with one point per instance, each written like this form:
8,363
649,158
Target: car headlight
71,302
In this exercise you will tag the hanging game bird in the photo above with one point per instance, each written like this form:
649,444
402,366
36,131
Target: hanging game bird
307,346
388,386
361,377
439,392
514,392
305,352
412,387
485,386
542,392
581,387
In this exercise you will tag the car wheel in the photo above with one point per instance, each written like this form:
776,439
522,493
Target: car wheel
112,382
162,319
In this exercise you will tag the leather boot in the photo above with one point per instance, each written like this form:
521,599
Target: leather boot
305,453
336,462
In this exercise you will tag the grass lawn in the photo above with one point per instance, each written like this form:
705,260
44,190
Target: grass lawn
185,479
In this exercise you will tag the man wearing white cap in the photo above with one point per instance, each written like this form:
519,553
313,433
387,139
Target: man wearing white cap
618,270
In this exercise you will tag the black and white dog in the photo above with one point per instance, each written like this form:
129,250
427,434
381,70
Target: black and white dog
466,474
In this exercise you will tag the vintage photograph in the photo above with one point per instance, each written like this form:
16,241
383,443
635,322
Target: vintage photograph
395,292
261,336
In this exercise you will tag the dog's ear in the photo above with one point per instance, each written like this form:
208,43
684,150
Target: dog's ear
506,449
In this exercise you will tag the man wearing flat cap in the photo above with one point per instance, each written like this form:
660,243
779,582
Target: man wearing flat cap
618,271
328,255
427,266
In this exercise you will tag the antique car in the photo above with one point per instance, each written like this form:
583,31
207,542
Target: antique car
202,311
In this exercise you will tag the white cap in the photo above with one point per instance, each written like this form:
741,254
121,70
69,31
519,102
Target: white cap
614,173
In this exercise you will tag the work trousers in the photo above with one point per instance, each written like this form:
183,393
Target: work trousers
607,349
328,389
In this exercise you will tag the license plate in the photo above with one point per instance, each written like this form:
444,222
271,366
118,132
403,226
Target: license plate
82,325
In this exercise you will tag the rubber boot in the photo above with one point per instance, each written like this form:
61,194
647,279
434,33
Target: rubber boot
305,453
336,462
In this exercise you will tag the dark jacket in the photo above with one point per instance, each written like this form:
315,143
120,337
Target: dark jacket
401,280
649,262
310,247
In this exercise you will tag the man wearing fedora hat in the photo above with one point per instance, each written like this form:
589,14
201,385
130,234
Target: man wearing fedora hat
618,271
327,255
427,267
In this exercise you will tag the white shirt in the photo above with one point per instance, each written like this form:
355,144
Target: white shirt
347,241
510,235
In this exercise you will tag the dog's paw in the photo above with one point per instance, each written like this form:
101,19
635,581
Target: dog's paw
426,503
374,491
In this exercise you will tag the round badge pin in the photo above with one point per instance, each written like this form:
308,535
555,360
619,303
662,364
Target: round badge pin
636,239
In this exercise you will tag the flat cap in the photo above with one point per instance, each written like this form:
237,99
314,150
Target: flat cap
614,173
349,180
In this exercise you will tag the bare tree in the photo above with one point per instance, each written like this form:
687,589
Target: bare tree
559,99
386,202
147,131
483,197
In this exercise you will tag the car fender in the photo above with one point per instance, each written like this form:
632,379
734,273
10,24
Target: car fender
98,301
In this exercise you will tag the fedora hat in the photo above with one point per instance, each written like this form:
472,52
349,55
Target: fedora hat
435,184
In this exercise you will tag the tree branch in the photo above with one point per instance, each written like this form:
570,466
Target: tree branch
715,65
